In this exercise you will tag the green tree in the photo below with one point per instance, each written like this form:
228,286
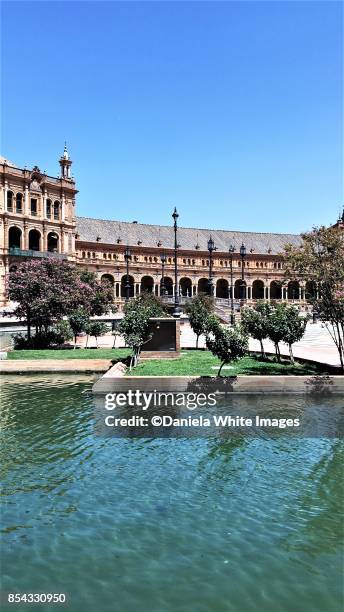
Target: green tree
319,260
255,323
227,343
96,329
134,325
295,328
79,322
199,310
277,327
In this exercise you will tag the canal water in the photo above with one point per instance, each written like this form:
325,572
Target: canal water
242,524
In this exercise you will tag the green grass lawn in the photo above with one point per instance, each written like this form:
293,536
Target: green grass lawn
101,353
201,363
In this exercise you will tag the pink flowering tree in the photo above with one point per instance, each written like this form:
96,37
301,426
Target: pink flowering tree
47,290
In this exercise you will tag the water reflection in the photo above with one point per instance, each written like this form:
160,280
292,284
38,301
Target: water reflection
234,524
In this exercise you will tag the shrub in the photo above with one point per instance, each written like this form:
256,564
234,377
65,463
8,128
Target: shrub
227,343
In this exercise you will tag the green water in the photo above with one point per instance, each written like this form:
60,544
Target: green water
237,525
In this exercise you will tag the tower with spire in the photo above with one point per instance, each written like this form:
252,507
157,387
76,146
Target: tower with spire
65,164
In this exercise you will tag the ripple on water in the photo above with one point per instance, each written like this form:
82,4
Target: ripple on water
238,525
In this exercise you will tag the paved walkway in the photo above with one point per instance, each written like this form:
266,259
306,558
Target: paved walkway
316,345
16,366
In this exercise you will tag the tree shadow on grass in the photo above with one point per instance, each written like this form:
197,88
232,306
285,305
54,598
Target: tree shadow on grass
270,366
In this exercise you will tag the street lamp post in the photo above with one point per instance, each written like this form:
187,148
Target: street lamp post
231,251
211,248
176,311
127,256
242,255
163,262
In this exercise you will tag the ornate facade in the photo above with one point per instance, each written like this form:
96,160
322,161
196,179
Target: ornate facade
38,219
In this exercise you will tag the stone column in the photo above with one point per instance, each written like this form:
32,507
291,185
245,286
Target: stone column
5,195
5,233
44,238
44,199
25,237
26,200
63,204
267,292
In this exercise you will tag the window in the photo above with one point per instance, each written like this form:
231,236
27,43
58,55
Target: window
10,201
88,254
56,210
93,255
33,207
83,254
48,211
19,203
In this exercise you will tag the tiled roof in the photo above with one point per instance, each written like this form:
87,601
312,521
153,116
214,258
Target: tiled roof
162,236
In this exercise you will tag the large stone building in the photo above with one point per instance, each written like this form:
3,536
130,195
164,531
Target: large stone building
38,219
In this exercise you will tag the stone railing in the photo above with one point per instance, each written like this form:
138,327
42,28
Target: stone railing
15,251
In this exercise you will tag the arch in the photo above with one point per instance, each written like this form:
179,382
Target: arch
53,242
310,290
14,237
56,210
203,285
168,284
258,290
19,203
240,289
147,284
34,240
185,285
293,290
222,288
107,278
124,286
275,290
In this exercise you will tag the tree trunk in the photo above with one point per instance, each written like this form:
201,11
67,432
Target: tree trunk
221,366
197,337
292,360
74,341
262,349
28,323
277,351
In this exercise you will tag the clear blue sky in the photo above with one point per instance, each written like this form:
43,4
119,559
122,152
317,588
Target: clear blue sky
232,111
